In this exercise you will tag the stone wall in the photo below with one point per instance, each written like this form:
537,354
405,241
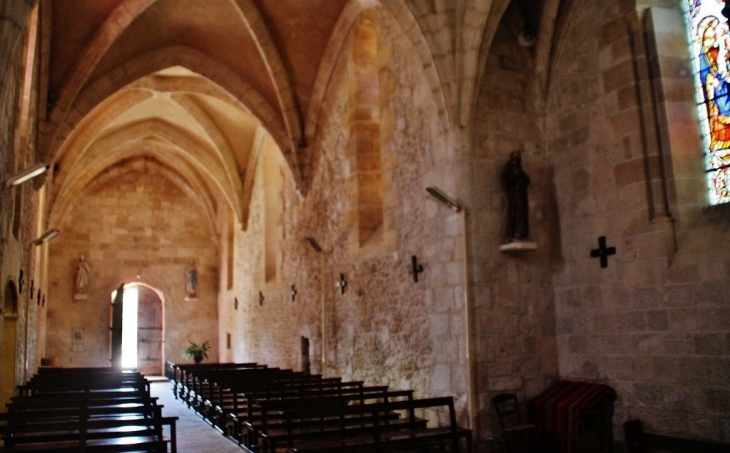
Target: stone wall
513,292
655,323
16,254
132,225
385,328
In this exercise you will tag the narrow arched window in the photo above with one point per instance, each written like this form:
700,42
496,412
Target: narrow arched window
709,37
365,128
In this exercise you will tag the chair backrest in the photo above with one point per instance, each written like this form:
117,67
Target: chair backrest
508,411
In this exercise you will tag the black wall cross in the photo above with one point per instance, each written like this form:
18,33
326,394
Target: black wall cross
261,299
603,252
342,284
293,293
415,268
21,282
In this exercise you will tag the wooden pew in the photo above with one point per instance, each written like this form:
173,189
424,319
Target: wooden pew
222,393
235,403
212,389
246,412
79,381
80,434
370,427
196,383
269,429
86,410
204,385
639,441
178,373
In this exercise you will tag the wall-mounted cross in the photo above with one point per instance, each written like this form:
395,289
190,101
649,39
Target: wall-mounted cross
603,252
261,299
293,293
341,284
415,268
21,282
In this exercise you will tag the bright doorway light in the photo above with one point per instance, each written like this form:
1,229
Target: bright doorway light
129,328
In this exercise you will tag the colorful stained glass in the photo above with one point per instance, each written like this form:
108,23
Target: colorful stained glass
709,36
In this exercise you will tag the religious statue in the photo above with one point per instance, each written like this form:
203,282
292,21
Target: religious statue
515,182
82,278
191,281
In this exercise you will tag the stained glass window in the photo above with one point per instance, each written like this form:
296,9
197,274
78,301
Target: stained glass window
709,38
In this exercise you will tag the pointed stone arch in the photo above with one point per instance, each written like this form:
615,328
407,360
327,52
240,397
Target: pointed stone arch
276,70
193,60
186,177
438,75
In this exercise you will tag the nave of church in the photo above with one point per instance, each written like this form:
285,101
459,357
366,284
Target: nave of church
461,197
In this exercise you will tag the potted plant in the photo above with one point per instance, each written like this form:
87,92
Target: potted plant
197,351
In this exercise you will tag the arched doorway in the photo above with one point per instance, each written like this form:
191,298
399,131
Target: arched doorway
142,328
8,347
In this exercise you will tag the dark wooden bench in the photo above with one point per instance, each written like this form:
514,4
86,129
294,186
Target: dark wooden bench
639,441
213,389
370,427
68,406
199,385
79,435
237,402
179,373
73,382
267,427
86,410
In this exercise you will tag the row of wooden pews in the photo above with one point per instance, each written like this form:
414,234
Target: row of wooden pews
86,410
273,410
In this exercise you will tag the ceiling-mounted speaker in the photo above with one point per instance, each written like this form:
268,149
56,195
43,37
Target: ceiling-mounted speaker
527,38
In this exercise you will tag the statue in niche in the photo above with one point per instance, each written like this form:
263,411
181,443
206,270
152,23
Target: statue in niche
515,182
191,281
82,279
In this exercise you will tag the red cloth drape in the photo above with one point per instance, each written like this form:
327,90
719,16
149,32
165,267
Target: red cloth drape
557,413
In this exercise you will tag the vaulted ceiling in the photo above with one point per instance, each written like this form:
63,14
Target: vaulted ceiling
196,85
203,86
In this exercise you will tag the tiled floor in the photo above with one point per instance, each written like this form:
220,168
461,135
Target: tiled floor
194,435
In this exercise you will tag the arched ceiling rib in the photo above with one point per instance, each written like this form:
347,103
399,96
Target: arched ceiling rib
261,51
168,163
211,132
230,69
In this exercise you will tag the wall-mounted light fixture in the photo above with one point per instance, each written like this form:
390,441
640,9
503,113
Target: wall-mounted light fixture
45,237
441,197
26,175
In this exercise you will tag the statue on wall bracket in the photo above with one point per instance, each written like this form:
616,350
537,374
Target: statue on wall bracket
515,182
191,282
81,283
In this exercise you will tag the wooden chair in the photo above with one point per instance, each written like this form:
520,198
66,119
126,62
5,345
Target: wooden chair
519,436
